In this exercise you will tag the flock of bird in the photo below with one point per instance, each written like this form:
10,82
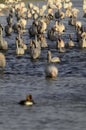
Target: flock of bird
39,31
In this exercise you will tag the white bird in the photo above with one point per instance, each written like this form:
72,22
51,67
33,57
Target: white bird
19,49
51,71
60,45
3,43
70,42
52,59
21,43
59,27
42,41
35,49
2,60
82,43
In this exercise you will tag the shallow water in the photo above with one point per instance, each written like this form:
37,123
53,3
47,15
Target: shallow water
60,103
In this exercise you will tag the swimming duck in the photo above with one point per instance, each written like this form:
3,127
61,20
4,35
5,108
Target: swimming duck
28,101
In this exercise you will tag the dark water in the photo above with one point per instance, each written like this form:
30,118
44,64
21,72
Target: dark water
60,103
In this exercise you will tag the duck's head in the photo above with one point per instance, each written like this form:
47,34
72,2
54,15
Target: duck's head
29,101
29,97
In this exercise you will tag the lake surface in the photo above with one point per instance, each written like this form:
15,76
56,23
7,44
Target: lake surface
60,103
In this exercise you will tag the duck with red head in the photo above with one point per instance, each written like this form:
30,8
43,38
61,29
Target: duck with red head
28,101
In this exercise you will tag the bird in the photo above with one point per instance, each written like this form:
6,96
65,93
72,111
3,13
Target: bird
60,45
59,14
51,34
3,43
70,42
59,27
51,71
2,60
42,41
82,43
21,42
84,15
19,49
28,101
8,29
72,21
35,49
52,59
9,20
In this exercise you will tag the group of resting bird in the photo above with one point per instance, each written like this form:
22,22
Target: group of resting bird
46,24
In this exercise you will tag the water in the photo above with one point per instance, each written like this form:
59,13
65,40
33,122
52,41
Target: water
60,103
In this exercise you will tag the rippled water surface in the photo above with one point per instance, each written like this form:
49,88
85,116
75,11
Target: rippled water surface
60,103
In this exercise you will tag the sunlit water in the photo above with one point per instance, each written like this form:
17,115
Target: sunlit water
60,103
